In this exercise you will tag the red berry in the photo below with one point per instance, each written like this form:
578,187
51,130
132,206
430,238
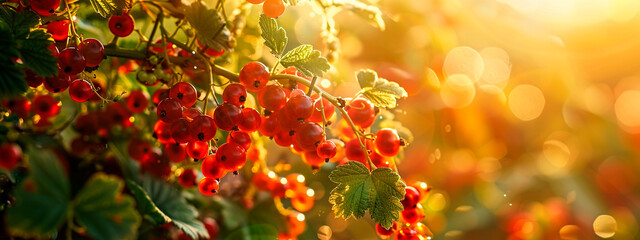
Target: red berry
212,227
139,149
251,120
269,126
121,25
411,198
361,112
241,138
59,83
180,131
169,48
185,93
137,101
197,149
231,156
387,142
208,186
227,116
286,120
277,187
284,138
11,155
59,29
211,168
329,110
176,152
169,110
202,128
255,1
354,151
309,135
191,113
261,180
300,107
19,106
188,177
88,124
407,234
117,114
423,188
273,8
80,90
162,132
45,106
413,215
254,76
156,164
312,159
296,223
93,51
44,7
235,94
272,98
71,61
32,79
386,232
159,95
327,150
54,50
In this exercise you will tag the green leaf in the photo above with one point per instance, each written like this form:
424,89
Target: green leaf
358,190
42,200
306,60
104,211
381,92
20,23
146,205
106,8
171,203
209,25
380,98
233,215
36,56
366,78
274,36
255,232
393,87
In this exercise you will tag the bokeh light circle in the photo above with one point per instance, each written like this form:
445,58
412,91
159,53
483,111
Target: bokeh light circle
526,102
457,91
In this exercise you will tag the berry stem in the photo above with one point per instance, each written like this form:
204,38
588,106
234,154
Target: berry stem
72,26
153,32
313,84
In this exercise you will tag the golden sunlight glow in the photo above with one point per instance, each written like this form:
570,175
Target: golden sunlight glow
627,108
526,102
464,60
458,91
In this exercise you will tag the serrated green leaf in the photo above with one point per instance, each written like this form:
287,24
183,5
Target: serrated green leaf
390,190
254,232
384,84
359,190
306,60
42,200
366,78
36,56
20,23
106,8
209,25
274,36
104,211
380,98
169,201
146,205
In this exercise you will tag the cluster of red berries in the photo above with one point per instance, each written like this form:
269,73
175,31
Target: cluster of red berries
292,187
271,8
411,227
